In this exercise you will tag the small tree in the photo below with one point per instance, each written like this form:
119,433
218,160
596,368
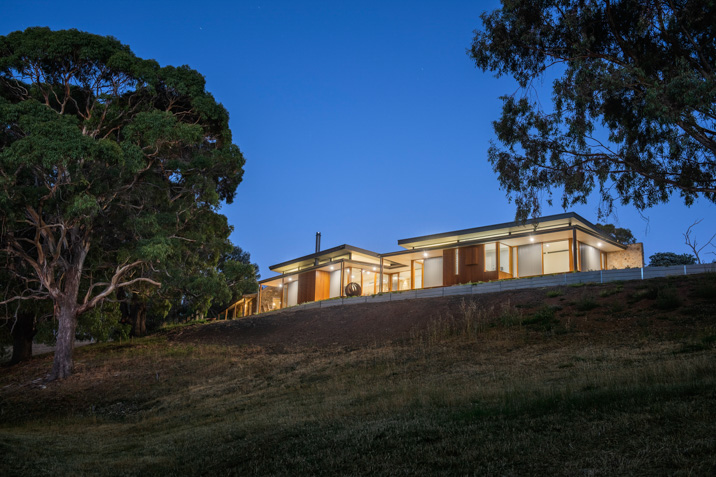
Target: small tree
667,259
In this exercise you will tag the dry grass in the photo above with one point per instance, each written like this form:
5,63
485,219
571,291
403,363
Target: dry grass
484,391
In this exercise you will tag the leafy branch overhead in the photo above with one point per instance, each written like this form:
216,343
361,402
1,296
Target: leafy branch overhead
632,113
109,164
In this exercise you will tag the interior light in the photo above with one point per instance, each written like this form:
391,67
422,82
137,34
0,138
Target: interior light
532,239
599,244
425,254
331,268
373,268
290,279
280,285
546,245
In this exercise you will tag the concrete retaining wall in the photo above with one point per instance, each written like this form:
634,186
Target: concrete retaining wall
603,276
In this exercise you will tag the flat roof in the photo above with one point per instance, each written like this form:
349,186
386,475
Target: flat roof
308,260
507,228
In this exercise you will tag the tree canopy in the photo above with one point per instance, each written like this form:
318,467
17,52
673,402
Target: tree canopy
619,234
109,164
632,113
667,259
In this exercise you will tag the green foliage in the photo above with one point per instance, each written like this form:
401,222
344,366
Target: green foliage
112,172
618,234
543,319
102,324
586,303
668,259
632,104
554,293
667,299
611,291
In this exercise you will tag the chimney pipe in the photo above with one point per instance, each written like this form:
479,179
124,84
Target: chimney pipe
318,246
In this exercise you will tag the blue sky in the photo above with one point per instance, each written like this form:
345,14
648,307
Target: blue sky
365,121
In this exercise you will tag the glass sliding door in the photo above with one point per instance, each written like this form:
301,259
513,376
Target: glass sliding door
505,259
417,274
529,260
556,257
433,272
590,257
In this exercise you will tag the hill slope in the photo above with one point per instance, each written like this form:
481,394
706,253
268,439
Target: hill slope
662,304
617,379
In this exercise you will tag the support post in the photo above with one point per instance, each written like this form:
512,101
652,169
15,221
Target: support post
381,275
575,248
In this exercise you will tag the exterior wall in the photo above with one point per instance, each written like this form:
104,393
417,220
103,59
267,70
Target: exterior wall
270,299
323,285
470,266
632,257
313,286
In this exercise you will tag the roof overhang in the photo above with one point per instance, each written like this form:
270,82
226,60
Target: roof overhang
332,254
509,231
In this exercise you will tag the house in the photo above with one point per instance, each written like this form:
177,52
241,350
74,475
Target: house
542,246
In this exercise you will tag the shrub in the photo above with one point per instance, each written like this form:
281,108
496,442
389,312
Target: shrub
586,303
667,298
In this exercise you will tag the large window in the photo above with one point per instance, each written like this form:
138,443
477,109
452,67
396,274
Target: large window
505,259
433,272
369,282
529,260
335,284
490,257
590,257
418,273
556,257
292,293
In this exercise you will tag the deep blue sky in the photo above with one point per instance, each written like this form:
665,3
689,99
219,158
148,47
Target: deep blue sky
365,121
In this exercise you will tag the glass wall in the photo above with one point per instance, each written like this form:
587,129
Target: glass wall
529,260
418,273
505,259
292,293
369,282
490,257
556,257
590,258
335,284
433,272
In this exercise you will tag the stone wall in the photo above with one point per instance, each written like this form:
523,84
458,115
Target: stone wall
632,257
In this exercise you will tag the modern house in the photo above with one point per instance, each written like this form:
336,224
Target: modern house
548,245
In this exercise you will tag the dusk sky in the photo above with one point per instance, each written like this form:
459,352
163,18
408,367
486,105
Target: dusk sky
365,121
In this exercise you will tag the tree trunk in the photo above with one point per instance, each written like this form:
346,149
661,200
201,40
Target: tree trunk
66,314
139,318
134,312
23,331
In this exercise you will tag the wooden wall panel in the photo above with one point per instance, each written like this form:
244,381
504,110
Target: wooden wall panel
323,285
470,266
306,287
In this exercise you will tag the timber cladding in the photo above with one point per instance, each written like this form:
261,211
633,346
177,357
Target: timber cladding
465,265
313,286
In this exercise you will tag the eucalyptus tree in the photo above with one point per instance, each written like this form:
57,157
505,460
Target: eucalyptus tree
633,111
106,160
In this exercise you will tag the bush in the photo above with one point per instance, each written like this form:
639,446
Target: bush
586,303
667,299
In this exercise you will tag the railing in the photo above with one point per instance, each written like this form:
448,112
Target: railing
602,276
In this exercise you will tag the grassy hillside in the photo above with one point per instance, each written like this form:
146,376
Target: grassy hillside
617,379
